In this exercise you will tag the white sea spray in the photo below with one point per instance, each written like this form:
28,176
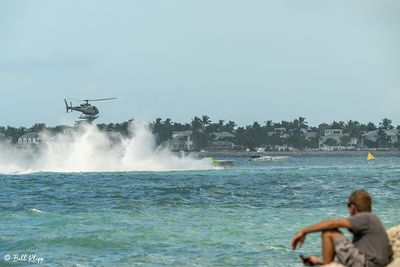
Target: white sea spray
91,150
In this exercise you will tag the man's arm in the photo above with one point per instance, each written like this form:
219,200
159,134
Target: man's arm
322,226
327,225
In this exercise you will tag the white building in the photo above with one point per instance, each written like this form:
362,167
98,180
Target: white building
182,140
333,131
338,136
392,135
222,141
29,140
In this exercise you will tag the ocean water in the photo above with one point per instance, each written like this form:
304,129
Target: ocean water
241,216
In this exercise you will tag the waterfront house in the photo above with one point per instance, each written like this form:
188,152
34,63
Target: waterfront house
28,140
392,135
333,131
310,135
283,147
335,139
280,131
371,136
182,141
222,141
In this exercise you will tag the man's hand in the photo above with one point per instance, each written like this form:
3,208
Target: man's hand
300,237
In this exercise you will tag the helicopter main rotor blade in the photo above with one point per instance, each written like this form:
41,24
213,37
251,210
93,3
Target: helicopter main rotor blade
101,99
89,100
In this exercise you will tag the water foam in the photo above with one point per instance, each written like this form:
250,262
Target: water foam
91,150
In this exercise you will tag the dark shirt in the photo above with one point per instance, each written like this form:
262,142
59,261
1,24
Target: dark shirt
371,239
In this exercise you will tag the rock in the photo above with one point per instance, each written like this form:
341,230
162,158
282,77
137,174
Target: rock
394,238
334,264
395,263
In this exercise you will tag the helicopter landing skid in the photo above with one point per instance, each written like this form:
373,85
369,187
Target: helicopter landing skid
88,118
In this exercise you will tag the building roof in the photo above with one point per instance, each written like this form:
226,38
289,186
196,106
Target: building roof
222,135
333,131
391,132
333,136
181,133
29,135
311,134
371,133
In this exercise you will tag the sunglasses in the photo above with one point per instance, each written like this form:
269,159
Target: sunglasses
349,204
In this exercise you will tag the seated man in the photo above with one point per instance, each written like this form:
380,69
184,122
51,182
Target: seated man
370,246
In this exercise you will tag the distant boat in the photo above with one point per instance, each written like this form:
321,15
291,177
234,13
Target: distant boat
370,156
268,158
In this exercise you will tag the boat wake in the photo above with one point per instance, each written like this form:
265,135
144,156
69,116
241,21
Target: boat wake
92,150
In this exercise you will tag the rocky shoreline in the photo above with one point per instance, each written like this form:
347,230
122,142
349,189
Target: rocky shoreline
302,153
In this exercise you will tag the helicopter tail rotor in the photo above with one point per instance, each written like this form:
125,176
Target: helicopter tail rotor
66,106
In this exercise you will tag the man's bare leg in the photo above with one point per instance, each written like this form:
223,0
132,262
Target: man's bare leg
328,246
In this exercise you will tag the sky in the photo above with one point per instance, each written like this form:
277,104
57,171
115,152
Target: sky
245,61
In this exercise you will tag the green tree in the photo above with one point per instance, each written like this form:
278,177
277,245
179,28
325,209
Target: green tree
386,124
38,127
354,129
205,120
345,140
322,128
337,125
230,126
14,133
296,136
269,126
199,139
384,140
312,142
370,127
331,142
162,130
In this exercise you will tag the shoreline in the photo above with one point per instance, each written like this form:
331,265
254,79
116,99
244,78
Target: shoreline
298,153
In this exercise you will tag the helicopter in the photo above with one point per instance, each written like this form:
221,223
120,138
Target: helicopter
89,111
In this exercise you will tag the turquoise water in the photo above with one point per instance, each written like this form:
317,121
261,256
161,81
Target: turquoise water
242,216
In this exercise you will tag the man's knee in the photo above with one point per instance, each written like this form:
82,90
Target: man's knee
331,234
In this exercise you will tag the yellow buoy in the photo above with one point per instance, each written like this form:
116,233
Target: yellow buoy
370,156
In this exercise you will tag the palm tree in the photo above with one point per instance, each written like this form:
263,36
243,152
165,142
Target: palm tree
386,124
354,129
370,127
205,120
230,126
337,125
197,129
38,127
269,126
